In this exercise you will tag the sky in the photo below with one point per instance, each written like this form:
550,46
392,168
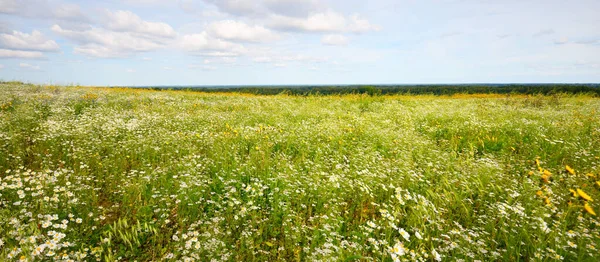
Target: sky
298,42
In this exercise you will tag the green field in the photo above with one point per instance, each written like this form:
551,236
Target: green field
137,175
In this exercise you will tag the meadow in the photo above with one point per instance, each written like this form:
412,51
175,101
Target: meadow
115,174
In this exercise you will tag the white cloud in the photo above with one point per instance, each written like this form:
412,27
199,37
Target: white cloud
129,70
358,24
295,8
29,66
210,46
238,7
544,32
202,67
9,6
69,12
262,59
221,60
278,59
6,53
325,22
257,8
337,40
45,9
561,41
98,42
29,42
167,68
126,21
239,31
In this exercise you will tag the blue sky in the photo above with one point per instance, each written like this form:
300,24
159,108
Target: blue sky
239,42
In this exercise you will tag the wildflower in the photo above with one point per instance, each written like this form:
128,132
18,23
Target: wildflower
404,234
546,177
571,244
584,195
78,220
436,255
418,235
573,192
570,170
589,209
397,251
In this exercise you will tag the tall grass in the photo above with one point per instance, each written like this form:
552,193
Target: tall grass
121,174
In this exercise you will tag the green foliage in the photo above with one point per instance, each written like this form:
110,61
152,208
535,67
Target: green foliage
441,89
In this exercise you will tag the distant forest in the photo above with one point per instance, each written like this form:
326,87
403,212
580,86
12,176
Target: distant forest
530,89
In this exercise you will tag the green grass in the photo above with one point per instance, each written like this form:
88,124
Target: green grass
136,175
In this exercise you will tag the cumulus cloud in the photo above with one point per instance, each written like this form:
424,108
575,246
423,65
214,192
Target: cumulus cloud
204,44
28,42
99,42
335,40
255,8
69,12
295,8
126,21
295,15
238,7
29,66
326,22
9,6
6,53
238,31
44,9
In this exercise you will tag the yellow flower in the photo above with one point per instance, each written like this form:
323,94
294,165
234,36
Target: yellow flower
598,183
589,209
570,170
590,175
573,192
584,195
545,178
539,193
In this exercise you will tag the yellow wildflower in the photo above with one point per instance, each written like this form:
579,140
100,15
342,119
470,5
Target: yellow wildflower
584,195
589,209
573,192
570,170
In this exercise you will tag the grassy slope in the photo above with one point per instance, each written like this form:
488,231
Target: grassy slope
153,175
